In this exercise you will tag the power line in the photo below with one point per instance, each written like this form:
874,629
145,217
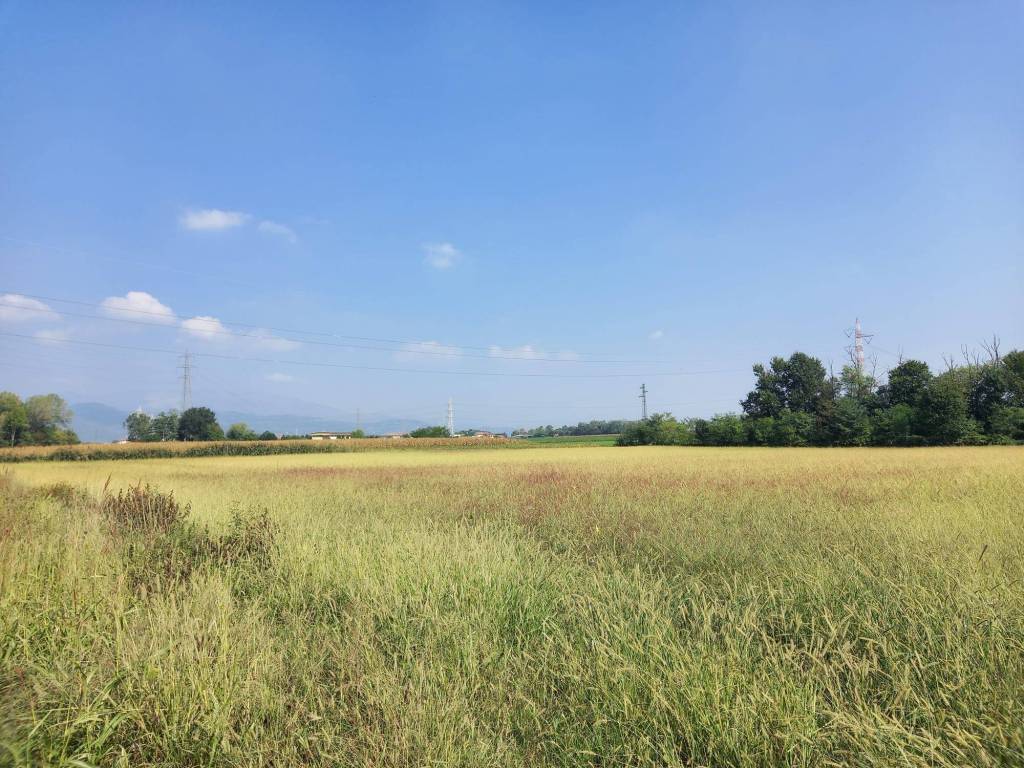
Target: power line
186,381
411,347
242,358
217,332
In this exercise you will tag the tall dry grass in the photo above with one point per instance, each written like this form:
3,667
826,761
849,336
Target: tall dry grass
218,448
574,607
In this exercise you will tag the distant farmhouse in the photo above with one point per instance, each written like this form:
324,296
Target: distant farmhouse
330,435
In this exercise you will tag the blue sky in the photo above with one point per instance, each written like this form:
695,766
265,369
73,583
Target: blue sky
691,186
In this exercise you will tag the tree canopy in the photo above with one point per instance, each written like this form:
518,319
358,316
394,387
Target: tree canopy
39,420
199,424
795,402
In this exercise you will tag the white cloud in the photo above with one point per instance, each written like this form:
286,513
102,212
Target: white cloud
266,340
655,335
441,255
426,349
212,329
274,228
15,308
52,335
280,378
138,305
213,219
205,327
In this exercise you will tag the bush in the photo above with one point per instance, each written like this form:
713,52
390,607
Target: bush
430,432
140,509
162,547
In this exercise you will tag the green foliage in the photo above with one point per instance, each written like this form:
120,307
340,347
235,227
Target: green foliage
658,429
849,423
165,426
907,384
40,420
268,435
794,403
797,384
722,429
240,431
1007,423
595,427
430,432
996,387
792,428
856,385
199,424
13,418
897,425
942,414
139,427
358,433
143,428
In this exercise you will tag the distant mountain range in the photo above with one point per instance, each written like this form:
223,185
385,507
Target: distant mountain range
100,423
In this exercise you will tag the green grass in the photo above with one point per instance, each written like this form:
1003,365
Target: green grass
643,606
573,440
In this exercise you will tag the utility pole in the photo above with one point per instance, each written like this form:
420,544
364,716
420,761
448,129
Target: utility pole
858,342
858,345
451,419
359,420
186,381
643,399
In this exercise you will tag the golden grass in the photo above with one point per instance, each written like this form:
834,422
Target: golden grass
640,606
220,448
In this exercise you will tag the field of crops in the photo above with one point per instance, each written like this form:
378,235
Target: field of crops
580,606
176,449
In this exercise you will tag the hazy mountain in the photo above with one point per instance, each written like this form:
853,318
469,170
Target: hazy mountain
294,424
98,423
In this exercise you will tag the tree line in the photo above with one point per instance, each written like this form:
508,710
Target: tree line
190,425
37,420
584,428
795,401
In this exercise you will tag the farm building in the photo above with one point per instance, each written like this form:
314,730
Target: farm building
329,435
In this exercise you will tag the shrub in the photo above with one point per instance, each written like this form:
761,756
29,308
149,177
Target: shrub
251,540
141,509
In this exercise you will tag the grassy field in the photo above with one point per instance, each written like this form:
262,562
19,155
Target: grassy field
585,606
573,440
218,448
